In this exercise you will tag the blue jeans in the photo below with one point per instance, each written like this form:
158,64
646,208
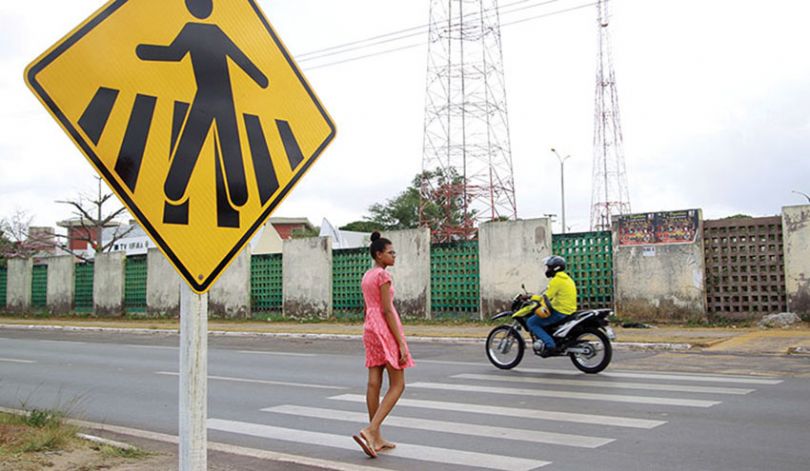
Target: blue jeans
536,324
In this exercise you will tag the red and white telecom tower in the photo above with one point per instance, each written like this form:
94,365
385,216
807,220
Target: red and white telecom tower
466,152
610,195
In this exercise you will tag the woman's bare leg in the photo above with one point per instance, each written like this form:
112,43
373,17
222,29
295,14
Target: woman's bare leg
396,386
375,376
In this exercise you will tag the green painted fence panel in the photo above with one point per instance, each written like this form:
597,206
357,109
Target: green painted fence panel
3,287
589,256
39,287
266,283
83,287
348,268
135,284
454,279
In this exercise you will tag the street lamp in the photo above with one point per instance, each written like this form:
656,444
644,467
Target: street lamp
803,194
562,182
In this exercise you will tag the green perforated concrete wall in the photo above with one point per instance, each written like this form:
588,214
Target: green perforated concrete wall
39,287
265,283
3,287
83,287
348,268
135,284
454,279
589,256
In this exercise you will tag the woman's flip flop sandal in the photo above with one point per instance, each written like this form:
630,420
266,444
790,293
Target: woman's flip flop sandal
365,446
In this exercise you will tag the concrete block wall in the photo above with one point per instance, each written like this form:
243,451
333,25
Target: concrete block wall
162,286
307,277
660,282
61,288
411,272
796,243
229,297
511,253
19,275
108,284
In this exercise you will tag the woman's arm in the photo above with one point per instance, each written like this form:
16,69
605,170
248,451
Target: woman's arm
390,318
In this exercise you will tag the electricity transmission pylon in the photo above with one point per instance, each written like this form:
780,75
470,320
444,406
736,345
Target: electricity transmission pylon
467,157
610,195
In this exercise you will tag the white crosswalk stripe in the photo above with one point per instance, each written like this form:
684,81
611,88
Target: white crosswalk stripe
403,450
487,431
498,423
567,395
658,376
517,412
605,384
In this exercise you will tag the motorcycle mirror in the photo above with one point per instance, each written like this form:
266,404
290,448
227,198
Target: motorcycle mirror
523,285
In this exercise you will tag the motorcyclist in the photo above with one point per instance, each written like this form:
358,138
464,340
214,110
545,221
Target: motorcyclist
558,301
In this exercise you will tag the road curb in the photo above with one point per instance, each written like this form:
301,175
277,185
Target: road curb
621,346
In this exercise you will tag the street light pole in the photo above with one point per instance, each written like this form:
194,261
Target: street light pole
562,183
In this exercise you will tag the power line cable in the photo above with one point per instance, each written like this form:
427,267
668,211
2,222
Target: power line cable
411,32
421,43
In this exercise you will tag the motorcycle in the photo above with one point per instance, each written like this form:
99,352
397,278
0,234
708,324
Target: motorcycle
583,336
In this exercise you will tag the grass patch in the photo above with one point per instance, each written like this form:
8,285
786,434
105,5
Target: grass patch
35,431
126,453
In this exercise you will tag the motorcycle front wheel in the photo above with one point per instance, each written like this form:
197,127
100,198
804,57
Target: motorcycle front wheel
599,351
504,347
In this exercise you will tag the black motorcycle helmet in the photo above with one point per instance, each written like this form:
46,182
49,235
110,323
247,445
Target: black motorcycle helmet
553,264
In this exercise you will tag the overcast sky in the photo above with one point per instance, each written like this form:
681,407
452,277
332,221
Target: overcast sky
714,97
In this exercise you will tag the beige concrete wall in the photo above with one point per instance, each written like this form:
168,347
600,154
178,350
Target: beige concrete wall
162,285
411,272
307,277
230,295
60,284
108,283
660,282
19,276
796,243
511,253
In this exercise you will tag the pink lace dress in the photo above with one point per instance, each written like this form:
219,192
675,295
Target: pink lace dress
381,345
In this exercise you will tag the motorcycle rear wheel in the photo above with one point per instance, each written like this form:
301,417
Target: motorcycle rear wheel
601,353
504,347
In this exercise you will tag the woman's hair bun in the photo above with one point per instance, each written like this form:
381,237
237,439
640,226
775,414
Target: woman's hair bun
375,235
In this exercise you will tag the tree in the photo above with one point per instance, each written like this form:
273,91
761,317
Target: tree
362,226
305,232
92,219
441,197
15,236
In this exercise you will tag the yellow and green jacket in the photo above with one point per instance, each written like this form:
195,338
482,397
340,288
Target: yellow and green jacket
562,293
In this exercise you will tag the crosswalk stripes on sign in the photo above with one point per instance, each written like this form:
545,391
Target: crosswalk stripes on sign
494,421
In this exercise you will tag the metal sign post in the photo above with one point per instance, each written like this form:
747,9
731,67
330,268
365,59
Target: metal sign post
193,379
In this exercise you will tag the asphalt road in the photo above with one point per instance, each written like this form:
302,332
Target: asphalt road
648,411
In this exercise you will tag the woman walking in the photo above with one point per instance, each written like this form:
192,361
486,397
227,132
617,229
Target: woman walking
385,345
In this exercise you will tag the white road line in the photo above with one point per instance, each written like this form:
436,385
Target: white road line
666,401
536,436
606,384
517,412
260,381
15,360
676,377
151,347
403,450
216,446
288,354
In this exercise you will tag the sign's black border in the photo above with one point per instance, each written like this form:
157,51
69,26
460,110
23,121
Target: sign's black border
203,286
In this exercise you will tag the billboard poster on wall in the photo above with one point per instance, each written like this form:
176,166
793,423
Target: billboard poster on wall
668,227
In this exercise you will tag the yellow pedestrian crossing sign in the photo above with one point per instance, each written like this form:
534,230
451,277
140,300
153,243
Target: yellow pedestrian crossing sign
193,112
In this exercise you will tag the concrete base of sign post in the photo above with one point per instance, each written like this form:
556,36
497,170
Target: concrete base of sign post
193,450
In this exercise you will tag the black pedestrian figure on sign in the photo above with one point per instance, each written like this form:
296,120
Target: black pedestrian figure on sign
209,49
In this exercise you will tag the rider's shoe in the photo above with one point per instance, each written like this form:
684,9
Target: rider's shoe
539,346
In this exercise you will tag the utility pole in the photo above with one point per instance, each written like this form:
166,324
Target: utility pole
562,183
